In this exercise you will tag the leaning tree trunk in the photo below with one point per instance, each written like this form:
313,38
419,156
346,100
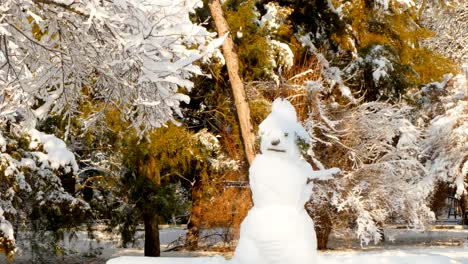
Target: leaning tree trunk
152,246
232,64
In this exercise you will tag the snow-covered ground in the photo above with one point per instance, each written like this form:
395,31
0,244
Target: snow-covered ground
429,255
408,246
402,246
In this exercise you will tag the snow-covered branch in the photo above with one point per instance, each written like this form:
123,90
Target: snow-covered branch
56,54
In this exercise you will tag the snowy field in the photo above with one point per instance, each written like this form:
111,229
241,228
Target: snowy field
428,255
436,246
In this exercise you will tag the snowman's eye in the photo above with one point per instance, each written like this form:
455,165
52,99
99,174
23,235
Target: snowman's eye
286,134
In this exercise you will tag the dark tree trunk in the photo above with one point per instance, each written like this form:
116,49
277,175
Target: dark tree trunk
439,198
323,228
320,214
462,205
195,216
152,246
381,231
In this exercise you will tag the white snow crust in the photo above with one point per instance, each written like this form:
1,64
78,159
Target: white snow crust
56,152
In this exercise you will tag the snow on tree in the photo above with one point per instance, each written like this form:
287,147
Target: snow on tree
330,74
37,176
56,56
446,139
280,54
386,180
136,55
378,149
375,54
371,48
449,22
148,180
7,239
399,5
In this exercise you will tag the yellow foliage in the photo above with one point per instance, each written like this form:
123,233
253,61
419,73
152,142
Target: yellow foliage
397,29
371,39
36,32
259,110
430,66
253,47
7,247
166,151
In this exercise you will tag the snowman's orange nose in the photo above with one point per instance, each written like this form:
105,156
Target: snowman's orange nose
275,142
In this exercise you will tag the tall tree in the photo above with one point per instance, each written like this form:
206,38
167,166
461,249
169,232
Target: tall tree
237,85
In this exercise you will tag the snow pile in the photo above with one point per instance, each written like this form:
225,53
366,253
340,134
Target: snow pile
426,256
143,260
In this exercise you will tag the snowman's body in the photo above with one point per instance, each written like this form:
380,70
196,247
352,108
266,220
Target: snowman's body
278,229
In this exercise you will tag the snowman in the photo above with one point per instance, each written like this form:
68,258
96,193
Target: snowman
277,229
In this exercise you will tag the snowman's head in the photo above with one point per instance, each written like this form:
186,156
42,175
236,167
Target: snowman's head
280,133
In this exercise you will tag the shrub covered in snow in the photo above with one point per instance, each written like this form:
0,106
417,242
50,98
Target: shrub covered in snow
383,180
37,175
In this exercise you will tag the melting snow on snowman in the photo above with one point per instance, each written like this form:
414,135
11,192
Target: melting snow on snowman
277,228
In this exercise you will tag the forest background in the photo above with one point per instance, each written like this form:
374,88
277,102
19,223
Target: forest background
123,113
